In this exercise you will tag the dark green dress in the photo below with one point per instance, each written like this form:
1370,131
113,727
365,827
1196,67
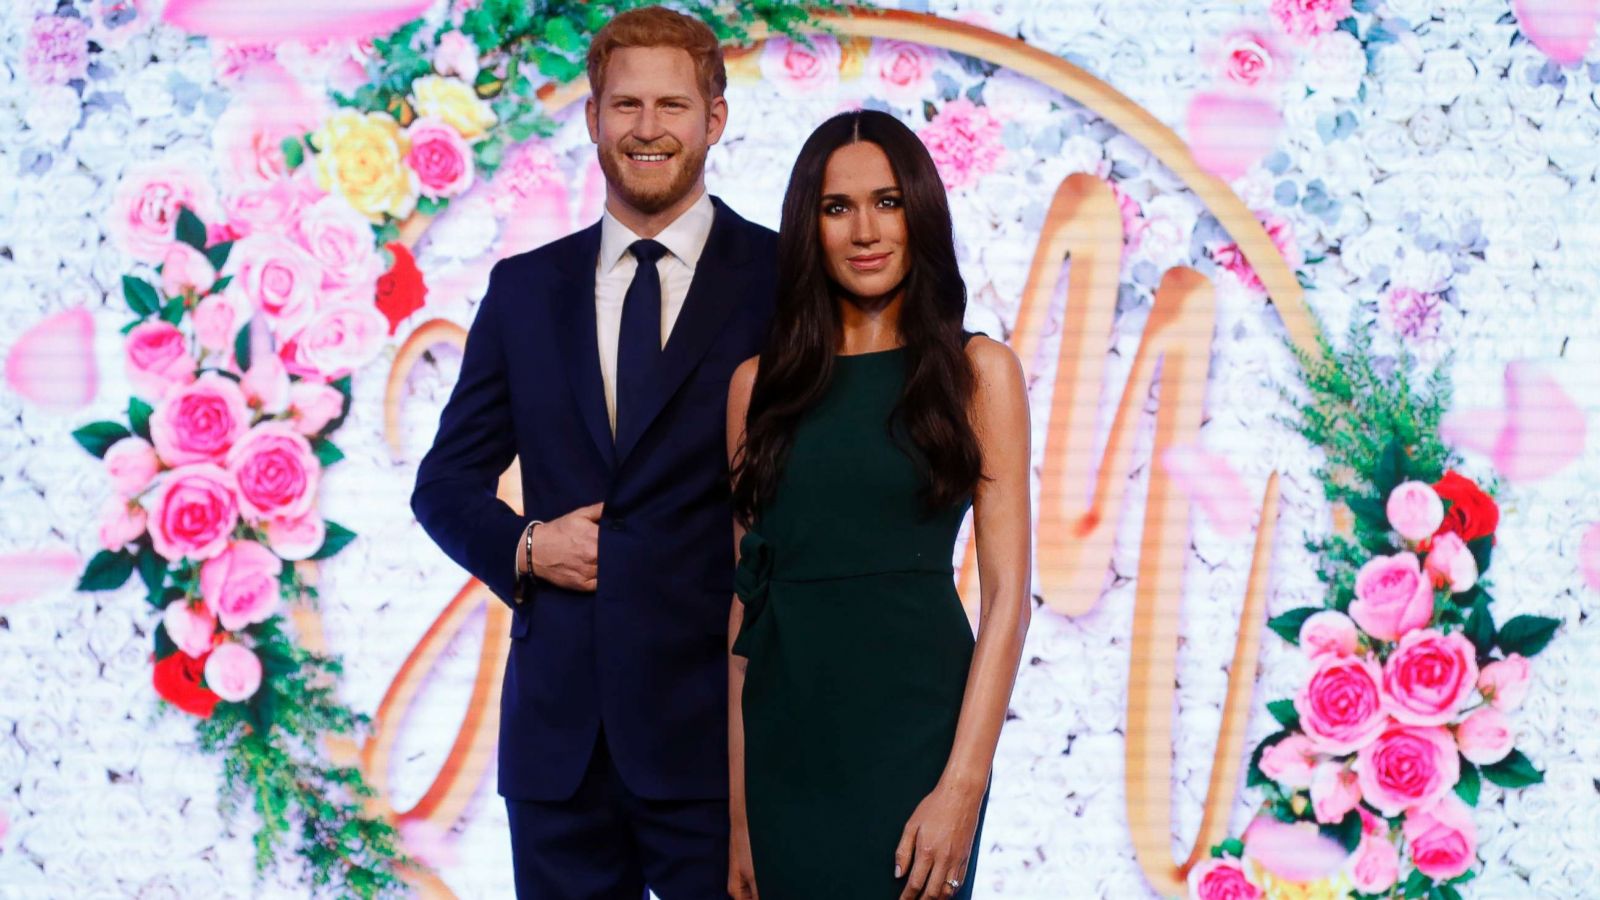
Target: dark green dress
858,648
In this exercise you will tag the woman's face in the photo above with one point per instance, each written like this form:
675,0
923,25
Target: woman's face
863,223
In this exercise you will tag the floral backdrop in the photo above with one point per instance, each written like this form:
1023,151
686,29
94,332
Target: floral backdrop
1427,169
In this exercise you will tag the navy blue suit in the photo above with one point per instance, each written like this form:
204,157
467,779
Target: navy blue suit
643,659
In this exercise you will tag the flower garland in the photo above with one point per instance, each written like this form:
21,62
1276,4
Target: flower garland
1370,782
240,357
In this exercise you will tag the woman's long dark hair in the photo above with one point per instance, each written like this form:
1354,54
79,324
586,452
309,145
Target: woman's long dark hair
797,364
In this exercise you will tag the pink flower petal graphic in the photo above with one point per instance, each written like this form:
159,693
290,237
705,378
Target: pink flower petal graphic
1589,556
1207,479
428,843
1294,851
53,363
1561,29
1229,133
592,202
1540,431
291,20
32,573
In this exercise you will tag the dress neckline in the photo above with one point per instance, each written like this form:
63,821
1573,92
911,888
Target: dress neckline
869,353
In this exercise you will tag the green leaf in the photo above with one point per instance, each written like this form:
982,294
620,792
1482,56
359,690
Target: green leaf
1482,550
153,572
560,32
1468,787
107,571
1418,885
172,313
430,206
294,152
1347,831
163,641
335,540
1448,892
326,452
1288,625
1391,469
1233,847
217,255
190,229
1480,625
929,111
141,296
222,284
241,348
1284,712
1372,512
1513,772
1255,777
97,437
139,417
1527,635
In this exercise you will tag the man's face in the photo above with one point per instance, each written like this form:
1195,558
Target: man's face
653,127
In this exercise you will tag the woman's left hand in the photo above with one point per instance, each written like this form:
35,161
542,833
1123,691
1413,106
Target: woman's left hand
936,843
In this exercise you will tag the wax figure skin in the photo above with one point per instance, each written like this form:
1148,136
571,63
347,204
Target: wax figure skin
645,655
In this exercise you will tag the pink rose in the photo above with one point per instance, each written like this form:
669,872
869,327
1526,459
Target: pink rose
217,320
340,239
1290,761
272,207
190,627
903,70
1392,596
312,405
233,60
1451,564
1293,851
1252,59
1413,314
1504,682
132,465
157,358
337,342
440,157
1442,838
456,55
296,539
1308,18
798,71
279,279
1328,632
1375,866
248,136
1341,707
1407,766
233,672
266,385
121,523
276,472
1415,511
1221,878
240,584
144,208
198,423
1485,736
964,140
1428,677
1334,792
194,512
185,268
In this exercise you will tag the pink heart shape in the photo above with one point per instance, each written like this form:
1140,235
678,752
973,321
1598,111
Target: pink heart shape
1539,432
1229,133
53,363
1561,29
33,573
291,20
1211,483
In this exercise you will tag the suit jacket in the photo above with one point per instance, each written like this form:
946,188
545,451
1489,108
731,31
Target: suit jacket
645,655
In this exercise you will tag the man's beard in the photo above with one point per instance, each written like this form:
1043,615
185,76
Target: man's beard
651,200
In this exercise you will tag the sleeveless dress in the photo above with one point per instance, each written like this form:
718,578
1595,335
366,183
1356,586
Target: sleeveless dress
857,646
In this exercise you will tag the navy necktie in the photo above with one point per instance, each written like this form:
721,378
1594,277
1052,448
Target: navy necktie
639,339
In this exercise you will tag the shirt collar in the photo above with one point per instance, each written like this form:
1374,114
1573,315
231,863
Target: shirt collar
685,238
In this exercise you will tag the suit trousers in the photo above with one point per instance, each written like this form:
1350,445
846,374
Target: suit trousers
607,843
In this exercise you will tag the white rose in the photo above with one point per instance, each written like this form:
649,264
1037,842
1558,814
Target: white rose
147,93
1429,129
1045,27
1373,249
1169,223
1335,64
1446,74
1527,93
466,230
1482,116
53,111
1081,154
1389,146
1570,135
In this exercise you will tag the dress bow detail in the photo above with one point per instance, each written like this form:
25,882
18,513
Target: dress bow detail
752,581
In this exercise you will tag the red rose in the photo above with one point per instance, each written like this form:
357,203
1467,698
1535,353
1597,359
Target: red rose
177,679
1471,513
401,290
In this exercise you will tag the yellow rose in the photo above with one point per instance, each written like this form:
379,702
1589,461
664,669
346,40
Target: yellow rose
1336,887
361,156
453,101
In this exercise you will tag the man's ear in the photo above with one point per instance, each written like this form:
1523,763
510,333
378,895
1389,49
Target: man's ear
716,119
591,117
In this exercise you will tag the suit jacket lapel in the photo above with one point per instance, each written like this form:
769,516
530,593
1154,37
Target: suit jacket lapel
576,336
716,290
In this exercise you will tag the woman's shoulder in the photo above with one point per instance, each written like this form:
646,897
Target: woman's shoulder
744,377
988,355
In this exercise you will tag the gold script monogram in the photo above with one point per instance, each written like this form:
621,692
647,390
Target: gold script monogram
1083,235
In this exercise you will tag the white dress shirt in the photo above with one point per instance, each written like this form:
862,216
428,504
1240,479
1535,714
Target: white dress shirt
684,239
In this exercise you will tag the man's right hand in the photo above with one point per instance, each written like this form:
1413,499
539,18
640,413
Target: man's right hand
565,550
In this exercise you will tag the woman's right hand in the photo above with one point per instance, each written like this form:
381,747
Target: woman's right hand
741,867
